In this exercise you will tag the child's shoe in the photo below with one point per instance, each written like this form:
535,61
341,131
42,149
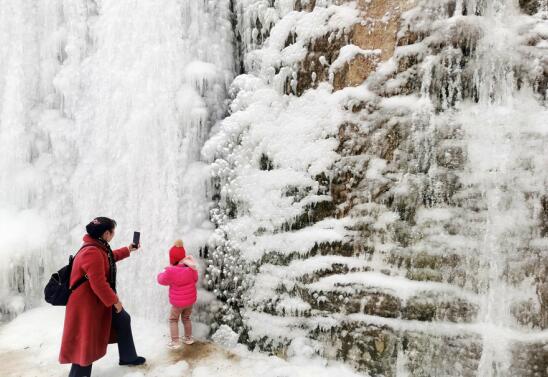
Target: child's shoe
188,340
174,345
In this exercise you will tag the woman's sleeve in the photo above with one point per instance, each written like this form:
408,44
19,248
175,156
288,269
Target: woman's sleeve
120,253
94,268
194,275
163,278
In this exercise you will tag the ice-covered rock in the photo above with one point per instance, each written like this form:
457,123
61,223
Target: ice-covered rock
435,178
225,337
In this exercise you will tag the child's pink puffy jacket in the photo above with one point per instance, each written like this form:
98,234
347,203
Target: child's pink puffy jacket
182,284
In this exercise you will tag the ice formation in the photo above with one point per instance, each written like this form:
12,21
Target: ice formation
363,180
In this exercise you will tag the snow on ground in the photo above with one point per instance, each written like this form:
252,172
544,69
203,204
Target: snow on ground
29,347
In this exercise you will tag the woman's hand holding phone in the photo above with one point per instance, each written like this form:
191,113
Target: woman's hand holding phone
136,241
132,247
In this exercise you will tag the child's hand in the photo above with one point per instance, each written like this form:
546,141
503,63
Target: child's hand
189,262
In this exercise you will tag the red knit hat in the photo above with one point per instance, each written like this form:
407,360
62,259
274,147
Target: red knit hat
176,253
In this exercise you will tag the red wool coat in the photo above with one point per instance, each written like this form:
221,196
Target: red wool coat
88,316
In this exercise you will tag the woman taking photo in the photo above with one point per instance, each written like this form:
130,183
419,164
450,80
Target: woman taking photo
94,315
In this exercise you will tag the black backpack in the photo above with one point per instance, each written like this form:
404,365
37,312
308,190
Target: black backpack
57,290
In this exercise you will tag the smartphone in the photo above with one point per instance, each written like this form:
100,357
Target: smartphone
136,238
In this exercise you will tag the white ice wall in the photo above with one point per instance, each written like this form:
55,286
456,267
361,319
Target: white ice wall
104,108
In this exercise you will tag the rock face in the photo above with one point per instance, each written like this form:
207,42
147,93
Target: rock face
377,32
530,6
413,240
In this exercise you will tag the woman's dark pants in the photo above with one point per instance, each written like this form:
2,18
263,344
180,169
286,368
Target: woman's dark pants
80,371
126,348
122,324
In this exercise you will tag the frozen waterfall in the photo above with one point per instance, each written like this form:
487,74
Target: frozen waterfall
104,107
370,177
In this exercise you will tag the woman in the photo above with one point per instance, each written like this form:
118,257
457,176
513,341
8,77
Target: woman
95,316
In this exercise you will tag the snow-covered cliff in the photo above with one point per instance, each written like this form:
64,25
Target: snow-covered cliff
381,186
365,180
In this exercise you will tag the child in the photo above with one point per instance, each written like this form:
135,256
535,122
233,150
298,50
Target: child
181,277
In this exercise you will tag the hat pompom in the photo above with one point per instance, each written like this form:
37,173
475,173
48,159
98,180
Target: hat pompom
176,254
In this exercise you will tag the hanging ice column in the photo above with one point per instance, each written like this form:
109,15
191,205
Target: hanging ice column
506,136
114,100
29,53
494,105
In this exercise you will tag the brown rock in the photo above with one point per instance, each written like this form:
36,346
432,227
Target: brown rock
529,6
354,72
377,31
544,216
307,7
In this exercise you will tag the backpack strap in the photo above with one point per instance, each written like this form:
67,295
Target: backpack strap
79,282
84,278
